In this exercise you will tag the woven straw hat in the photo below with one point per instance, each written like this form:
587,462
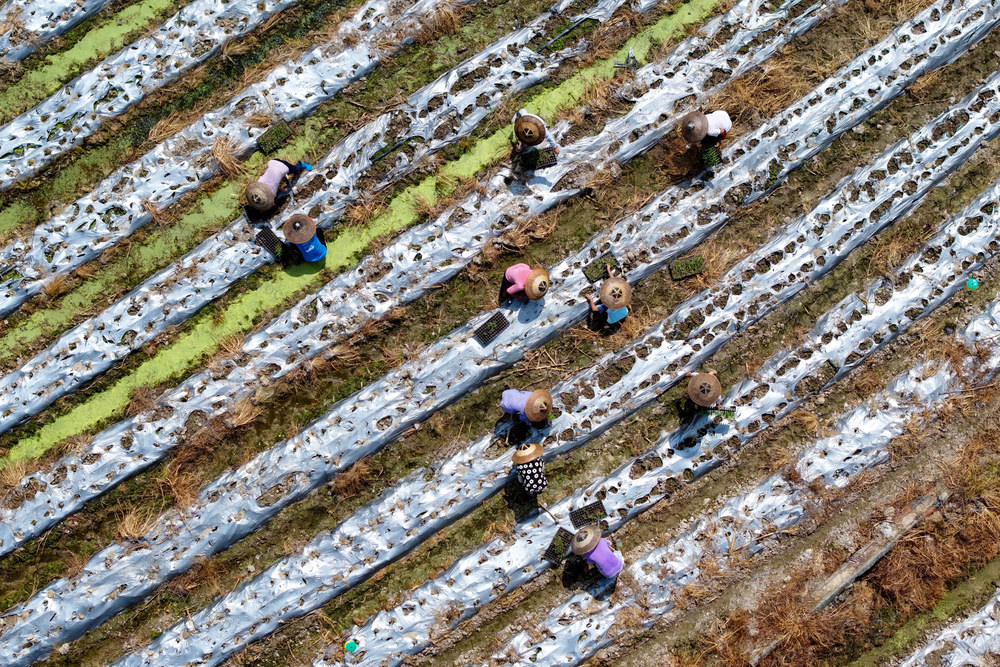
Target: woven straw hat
537,284
704,389
259,196
694,127
616,293
586,539
299,228
527,453
538,406
529,131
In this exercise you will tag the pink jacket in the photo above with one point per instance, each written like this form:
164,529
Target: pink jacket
517,274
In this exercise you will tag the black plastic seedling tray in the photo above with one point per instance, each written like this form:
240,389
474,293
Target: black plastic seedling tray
491,328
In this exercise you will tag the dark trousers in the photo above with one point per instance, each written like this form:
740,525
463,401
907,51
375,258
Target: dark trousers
504,285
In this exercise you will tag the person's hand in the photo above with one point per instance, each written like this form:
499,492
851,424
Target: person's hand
590,300
611,274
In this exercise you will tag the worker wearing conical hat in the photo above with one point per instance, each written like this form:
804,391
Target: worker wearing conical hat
531,406
270,189
301,230
708,130
704,389
529,468
595,549
531,131
521,279
616,295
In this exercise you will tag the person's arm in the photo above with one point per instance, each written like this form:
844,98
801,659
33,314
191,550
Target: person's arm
514,289
590,300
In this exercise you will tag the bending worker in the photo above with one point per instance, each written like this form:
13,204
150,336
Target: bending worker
268,191
616,295
531,406
708,129
521,279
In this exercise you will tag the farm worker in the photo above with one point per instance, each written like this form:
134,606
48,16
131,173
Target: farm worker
270,189
532,406
530,130
301,230
704,389
709,129
522,279
530,469
616,295
588,543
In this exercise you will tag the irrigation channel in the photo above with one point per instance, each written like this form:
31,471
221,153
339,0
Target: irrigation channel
445,245
227,493
26,26
411,512
119,204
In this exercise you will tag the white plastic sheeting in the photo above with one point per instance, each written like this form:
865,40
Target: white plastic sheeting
974,640
845,336
576,629
417,260
27,25
181,163
399,520
194,34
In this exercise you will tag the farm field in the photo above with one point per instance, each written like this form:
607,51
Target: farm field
214,452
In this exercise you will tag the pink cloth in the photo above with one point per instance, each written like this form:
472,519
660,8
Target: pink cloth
517,274
272,177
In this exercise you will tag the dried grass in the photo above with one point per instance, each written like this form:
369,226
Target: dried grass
224,154
135,523
171,125
59,284
141,399
354,480
159,216
260,120
244,413
446,21
232,346
762,92
12,473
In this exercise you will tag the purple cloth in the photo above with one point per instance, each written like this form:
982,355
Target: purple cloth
512,401
608,562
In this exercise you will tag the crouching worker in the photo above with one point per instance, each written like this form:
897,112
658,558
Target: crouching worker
597,551
531,132
708,130
531,406
704,389
522,280
616,295
300,230
530,469
268,192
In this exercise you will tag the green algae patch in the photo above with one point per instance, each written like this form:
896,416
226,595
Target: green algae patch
18,214
202,339
46,79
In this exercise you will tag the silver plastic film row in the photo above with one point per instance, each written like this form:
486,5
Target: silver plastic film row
28,25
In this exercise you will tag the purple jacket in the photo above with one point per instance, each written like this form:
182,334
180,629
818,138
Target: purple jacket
512,401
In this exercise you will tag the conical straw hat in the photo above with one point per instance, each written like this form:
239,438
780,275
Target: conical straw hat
259,196
538,406
299,229
694,127
704,389
616,293
586,539
529,131
537,284
527,453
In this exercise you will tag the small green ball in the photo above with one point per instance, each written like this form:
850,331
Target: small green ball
351,646
972,283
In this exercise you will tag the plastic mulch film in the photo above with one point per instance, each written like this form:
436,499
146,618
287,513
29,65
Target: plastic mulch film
27,25
576,629
336,311
64,120
974,640
401,519
847,335
180,164
175,293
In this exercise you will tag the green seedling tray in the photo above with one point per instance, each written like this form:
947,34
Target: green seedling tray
685,268
728,414
559,546
274,137
588,514
491,328
540,158
598,269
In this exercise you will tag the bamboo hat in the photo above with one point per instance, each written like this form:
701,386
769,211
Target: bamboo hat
299,228
694,127
538,406
259,196
529,130
537,284
527,453
704,389
586,540
616,293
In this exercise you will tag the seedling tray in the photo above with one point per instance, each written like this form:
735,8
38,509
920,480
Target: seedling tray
274,137
539,158
685,268
267,239
559,546
728,414
588,514
491,328
598,269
